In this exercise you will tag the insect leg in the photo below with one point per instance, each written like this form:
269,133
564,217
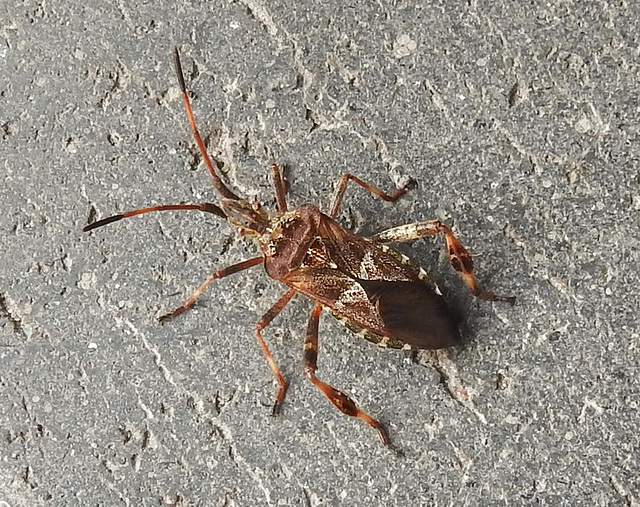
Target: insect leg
217,182
342,186
458,255
280,188
338,398
218,274
262,323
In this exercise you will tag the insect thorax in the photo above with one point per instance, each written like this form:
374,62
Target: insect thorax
289,241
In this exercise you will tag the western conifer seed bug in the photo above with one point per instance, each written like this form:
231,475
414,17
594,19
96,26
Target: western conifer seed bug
374,290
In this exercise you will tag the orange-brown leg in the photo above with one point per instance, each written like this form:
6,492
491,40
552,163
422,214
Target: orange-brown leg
280,187
215,276
345,404
342,187
262,323
458,255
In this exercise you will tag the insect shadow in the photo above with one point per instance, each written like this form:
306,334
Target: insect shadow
374,290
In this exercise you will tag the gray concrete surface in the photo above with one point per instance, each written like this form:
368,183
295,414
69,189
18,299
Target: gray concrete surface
519,122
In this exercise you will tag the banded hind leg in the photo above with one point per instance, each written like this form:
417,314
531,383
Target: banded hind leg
459,257
345,404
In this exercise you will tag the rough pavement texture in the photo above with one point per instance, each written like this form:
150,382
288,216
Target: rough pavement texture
519,122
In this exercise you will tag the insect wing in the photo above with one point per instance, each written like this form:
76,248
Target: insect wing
359,258
413,313
342,294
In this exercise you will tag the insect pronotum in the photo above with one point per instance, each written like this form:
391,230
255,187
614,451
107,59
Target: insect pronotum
371,288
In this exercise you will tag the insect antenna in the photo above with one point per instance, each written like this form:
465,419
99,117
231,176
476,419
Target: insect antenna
205,206
217,182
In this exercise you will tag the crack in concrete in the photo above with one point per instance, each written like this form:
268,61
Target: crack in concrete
8,309
628,497
440,360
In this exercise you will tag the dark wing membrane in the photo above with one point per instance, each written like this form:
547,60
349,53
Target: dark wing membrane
413,313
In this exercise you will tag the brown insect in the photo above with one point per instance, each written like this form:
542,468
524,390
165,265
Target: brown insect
374,290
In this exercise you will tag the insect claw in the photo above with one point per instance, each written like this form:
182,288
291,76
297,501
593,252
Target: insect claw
505,299
486,295
277,408
277,405
163,318
384,436
382,432
410,184
398,453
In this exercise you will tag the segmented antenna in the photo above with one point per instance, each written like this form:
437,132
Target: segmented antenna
207,207
217,182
